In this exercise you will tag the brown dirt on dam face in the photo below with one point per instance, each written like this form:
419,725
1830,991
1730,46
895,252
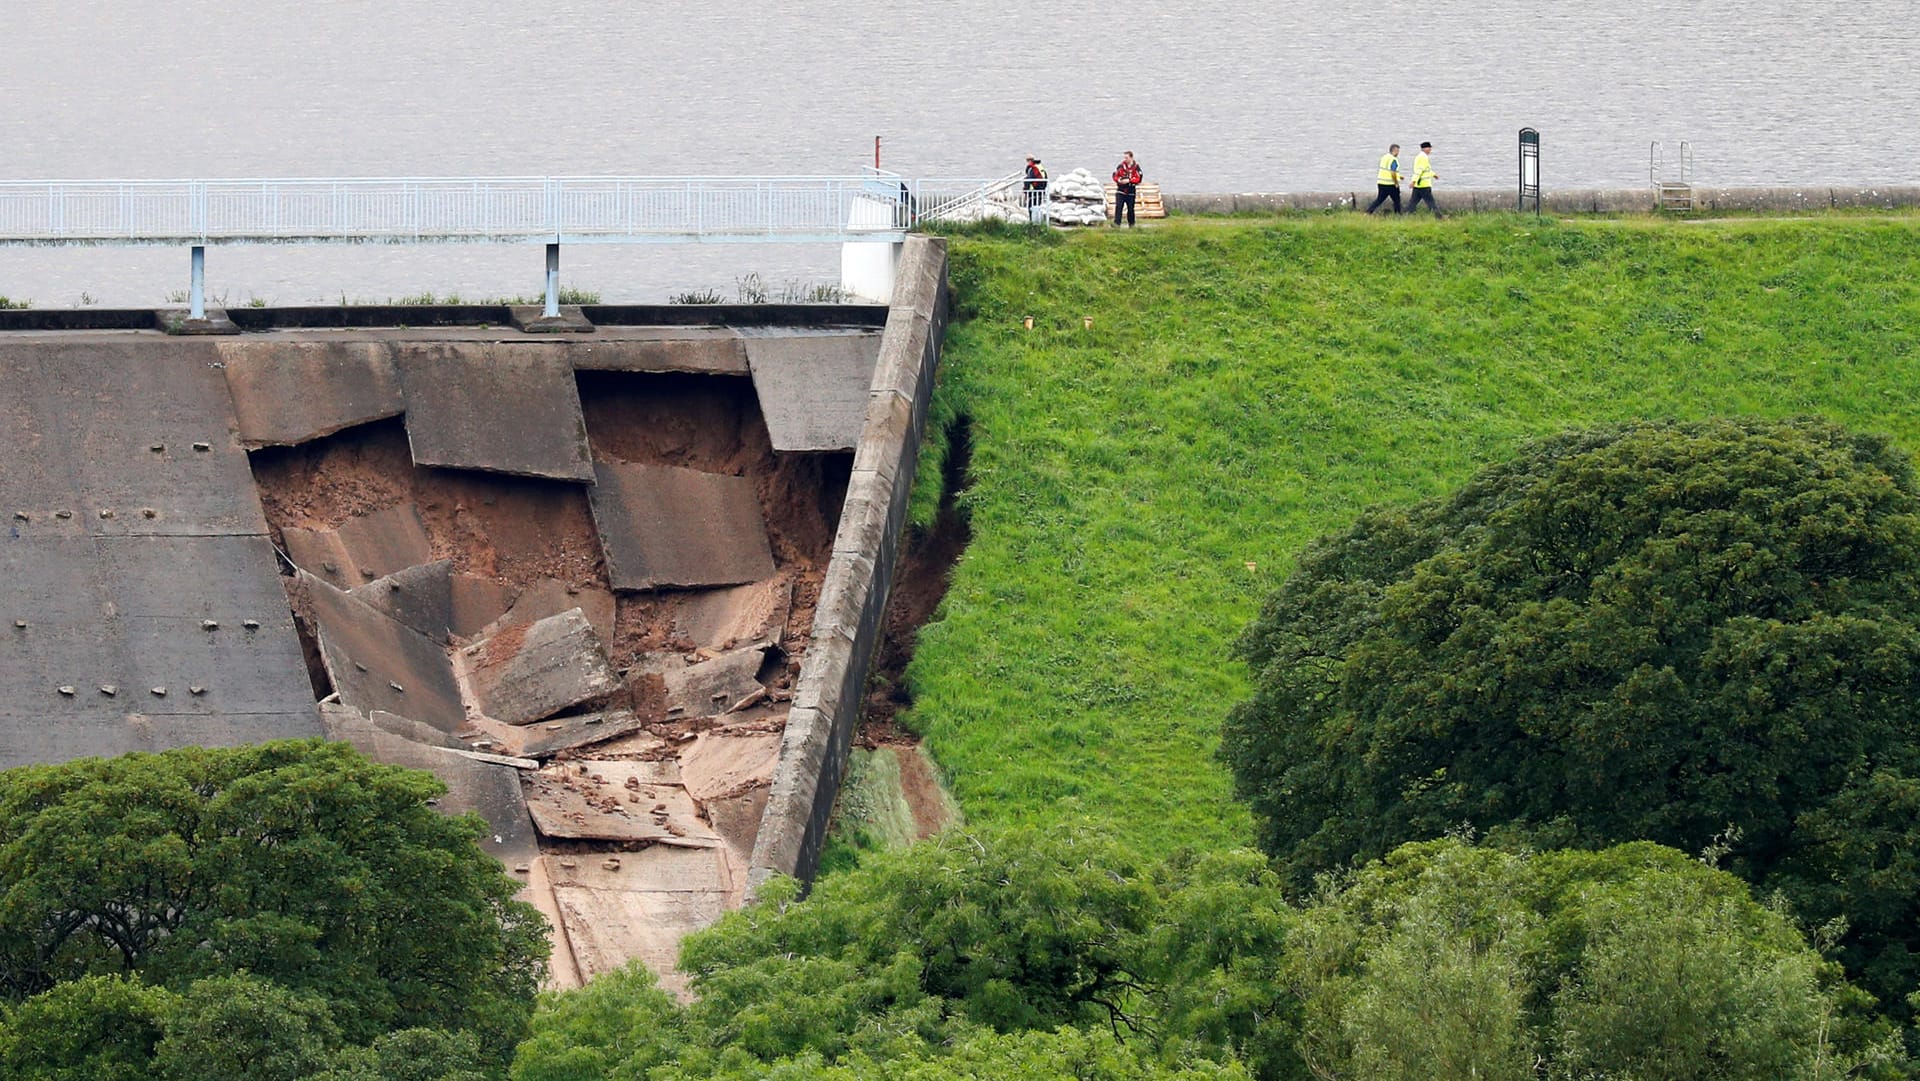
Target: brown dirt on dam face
714,424
518,531
920,582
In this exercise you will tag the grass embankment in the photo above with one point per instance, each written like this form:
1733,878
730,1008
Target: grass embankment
1137,487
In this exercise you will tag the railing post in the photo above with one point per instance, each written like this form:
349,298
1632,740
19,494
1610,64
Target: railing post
197,291
553,282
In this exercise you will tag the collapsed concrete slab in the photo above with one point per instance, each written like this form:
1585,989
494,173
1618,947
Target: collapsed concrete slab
543,739
730,774
813,387
420,597
714,686
617,801
301,391
378,663
407,728
477,603
725,618
529,672
362,548
550,597
638,905
721,762
495,408
492,791
667,526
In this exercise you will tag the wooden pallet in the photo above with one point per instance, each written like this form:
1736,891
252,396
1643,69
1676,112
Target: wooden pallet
1146,202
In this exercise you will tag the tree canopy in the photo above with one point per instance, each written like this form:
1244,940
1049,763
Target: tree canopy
1702,634
326,884
1065,955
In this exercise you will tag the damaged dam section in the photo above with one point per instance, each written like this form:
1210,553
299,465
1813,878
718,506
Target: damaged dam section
612,588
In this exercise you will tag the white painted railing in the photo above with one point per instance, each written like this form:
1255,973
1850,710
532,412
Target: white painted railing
874,206
566,210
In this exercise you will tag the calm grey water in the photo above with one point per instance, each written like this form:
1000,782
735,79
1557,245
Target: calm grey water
1211,94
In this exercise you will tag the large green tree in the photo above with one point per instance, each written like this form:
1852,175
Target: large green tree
1700,634
302,864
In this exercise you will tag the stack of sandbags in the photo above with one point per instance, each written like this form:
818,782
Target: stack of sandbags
1077,199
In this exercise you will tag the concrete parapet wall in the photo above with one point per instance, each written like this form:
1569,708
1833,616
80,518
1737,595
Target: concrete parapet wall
1559,201
850,618
374,316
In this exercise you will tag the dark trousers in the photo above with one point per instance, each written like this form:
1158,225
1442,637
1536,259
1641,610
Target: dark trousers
1123,203
1424,195
1387,191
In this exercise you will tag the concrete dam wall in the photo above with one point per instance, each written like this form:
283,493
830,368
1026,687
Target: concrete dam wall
595,582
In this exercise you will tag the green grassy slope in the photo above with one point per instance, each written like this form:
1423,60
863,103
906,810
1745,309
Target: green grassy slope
1138,487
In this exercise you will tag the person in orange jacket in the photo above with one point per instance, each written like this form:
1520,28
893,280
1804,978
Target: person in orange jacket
1126,185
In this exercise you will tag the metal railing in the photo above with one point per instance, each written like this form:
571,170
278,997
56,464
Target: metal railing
568,210
871,206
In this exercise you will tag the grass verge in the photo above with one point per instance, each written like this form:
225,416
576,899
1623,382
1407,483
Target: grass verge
1138,485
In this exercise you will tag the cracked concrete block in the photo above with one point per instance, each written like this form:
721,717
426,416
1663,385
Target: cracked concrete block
292,392
725,618
362,548
550,597
542,739
491,790
420,597
379,663
813,388
714,686
667,526
498,407
529,672
477,602
616,801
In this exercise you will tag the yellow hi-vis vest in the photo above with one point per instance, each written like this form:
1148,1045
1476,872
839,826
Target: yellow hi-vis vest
1423,173
1389,170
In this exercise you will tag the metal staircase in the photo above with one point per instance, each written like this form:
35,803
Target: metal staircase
966,204
1672,189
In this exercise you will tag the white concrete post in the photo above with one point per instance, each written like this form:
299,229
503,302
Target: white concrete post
553,282
197,291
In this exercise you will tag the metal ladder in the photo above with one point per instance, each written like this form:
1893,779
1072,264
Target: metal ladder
1671,190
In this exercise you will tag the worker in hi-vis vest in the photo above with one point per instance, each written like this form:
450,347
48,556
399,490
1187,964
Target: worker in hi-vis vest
1423,178
1389,178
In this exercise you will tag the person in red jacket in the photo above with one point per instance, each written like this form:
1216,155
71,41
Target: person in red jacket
1126,183
1034,188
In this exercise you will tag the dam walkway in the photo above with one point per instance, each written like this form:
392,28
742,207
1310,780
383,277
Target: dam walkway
871,207
558,210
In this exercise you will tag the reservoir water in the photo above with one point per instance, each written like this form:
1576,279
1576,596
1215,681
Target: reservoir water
1212,95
